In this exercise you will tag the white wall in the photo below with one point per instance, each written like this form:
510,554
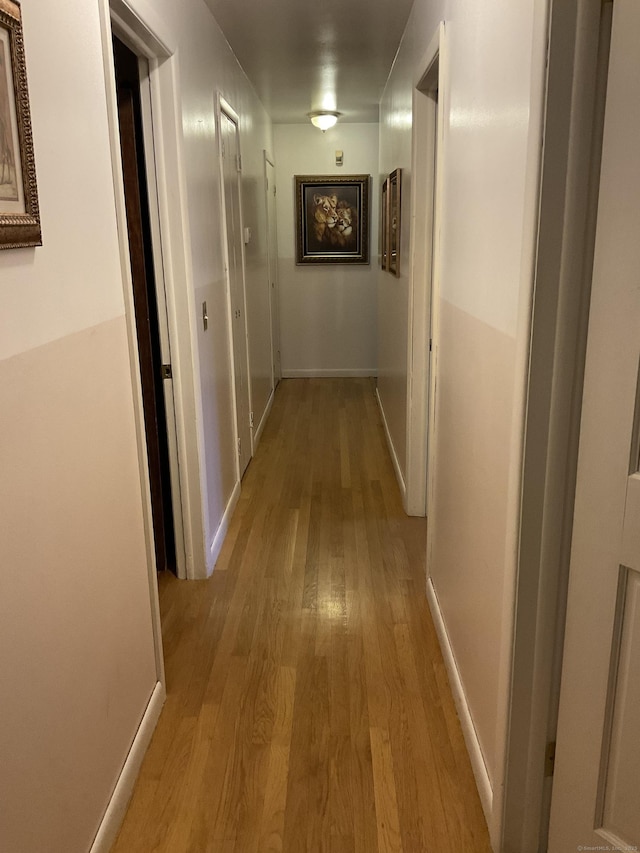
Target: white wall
493,68
77,663
77,658
207,66
328,320
393,292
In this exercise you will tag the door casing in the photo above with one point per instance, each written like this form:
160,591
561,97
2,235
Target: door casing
272,249
595,797
236,296
427,168
149,38
566,232
129,70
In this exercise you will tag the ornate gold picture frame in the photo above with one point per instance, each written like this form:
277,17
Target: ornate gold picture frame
19,211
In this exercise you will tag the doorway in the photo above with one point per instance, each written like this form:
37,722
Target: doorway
153,372
234,241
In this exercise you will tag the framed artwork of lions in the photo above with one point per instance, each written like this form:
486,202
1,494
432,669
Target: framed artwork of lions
332,219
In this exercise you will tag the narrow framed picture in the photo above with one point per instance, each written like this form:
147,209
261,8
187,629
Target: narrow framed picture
394,200
19,212
332,219
384,229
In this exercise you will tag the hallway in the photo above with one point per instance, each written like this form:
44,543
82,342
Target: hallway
308,705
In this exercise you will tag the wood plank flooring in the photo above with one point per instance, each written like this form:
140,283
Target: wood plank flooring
308,707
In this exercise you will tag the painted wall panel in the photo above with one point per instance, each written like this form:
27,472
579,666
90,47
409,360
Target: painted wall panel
395,153
494,73
73,280
327,312
487,147
469,518
207,67
77,662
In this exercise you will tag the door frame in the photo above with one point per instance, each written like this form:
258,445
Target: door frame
566,233
132,74
427,166
223,106
274,297
148,37
598,673
146,103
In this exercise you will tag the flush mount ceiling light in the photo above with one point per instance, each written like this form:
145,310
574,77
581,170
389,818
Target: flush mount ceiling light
324,119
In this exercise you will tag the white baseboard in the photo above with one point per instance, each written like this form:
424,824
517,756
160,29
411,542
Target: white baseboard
221,532
258,433
330,372
392,451
114,815
466,721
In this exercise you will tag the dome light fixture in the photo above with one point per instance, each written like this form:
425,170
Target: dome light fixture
324,119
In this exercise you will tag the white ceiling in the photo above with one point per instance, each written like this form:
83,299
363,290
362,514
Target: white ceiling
303,56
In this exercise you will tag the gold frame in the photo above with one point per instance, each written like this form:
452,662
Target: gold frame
19,210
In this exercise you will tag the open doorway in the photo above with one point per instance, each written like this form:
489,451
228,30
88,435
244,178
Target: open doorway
154,370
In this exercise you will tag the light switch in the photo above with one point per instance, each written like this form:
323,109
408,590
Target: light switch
247,236
339,158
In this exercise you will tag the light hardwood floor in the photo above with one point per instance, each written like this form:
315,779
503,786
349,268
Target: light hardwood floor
308,706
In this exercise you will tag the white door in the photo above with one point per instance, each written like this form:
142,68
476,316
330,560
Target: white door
231,183
596,787
274,304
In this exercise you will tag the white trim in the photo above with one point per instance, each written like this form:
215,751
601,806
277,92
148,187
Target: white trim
223,527
117,807
558,339
149,134
150,35
263,420
443,110
392,451
274,287
132,339
227,277
426,169
266,162
512,589
329,372
223,107
181,307
174,227
478,765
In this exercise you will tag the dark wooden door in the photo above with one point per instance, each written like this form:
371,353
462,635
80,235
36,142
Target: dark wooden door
145,300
